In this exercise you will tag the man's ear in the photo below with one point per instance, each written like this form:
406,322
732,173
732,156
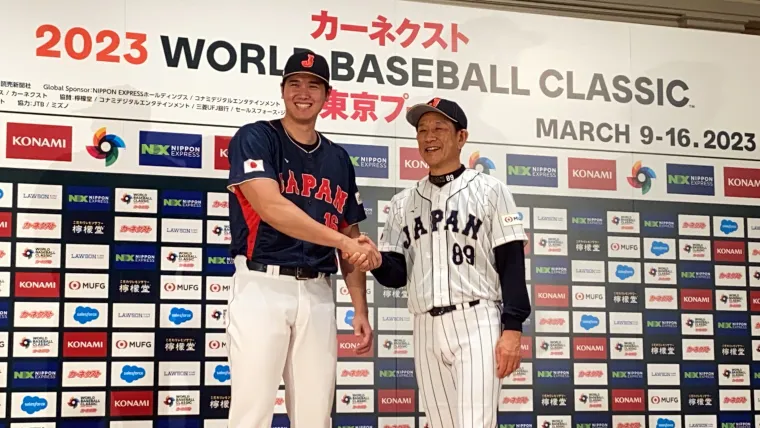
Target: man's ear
462,136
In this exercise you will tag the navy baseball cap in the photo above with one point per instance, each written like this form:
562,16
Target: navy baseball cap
307,62
448,108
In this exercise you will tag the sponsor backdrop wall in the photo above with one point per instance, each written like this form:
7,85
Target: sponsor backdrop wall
631,150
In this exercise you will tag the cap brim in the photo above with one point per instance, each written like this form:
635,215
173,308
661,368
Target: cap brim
414,114
285,76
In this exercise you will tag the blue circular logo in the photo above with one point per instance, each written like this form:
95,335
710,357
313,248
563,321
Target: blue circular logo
1,194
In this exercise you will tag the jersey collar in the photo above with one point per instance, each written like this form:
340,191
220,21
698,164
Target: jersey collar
428,190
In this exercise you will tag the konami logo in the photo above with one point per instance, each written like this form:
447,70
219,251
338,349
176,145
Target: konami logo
552,296
589,348
594,174
526,347
85,344
131,403
729,251
38,284
221,159
754,301
628,400
696,299
412,165
38,142
741,182
5,224
395,400
347,345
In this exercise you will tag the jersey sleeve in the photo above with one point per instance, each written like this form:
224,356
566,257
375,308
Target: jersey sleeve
354,212
251,156
393,237
506,223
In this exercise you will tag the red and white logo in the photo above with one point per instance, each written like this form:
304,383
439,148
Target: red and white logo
412,165
38,142
526,347
729,251
5,224
741,182
131,403
589,348
85,344
754,301
347,344
594,174
552,296
628,400
696,300
395,401
38,284
221,159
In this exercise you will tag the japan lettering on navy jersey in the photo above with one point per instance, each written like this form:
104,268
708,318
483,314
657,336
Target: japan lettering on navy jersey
447,235
321,182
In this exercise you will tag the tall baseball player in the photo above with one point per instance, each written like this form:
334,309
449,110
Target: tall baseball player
295,202
456,240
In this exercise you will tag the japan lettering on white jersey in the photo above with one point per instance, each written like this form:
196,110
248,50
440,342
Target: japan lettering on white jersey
447,235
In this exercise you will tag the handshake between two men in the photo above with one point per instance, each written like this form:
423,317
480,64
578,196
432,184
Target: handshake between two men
361,252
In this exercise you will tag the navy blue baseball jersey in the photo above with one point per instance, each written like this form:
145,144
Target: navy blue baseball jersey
319,179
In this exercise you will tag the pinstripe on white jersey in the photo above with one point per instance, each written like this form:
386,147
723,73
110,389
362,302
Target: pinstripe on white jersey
447,235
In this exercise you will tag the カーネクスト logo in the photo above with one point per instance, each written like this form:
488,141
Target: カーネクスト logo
105,146
641,177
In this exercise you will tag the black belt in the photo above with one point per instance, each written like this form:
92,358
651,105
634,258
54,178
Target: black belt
298,272
446,309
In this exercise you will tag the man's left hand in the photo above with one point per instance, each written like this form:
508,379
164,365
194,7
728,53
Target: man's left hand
363,329
508,353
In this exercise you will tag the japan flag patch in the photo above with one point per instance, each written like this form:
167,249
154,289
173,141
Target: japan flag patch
253,165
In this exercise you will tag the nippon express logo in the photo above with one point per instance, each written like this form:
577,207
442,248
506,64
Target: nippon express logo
31,404
135,257
528,170
130,374
548,269
218,260
170,149
179,202
691,179
590,221
82,198
659,224
178,316
368,161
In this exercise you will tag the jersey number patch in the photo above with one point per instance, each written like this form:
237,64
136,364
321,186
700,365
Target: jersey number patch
460,255
331,221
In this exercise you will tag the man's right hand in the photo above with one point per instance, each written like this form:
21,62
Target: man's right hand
365,264
360,250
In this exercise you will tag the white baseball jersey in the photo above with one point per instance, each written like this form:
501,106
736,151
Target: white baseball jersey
447,235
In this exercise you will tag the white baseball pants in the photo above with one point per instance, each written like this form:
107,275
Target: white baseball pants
280,328
454,357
